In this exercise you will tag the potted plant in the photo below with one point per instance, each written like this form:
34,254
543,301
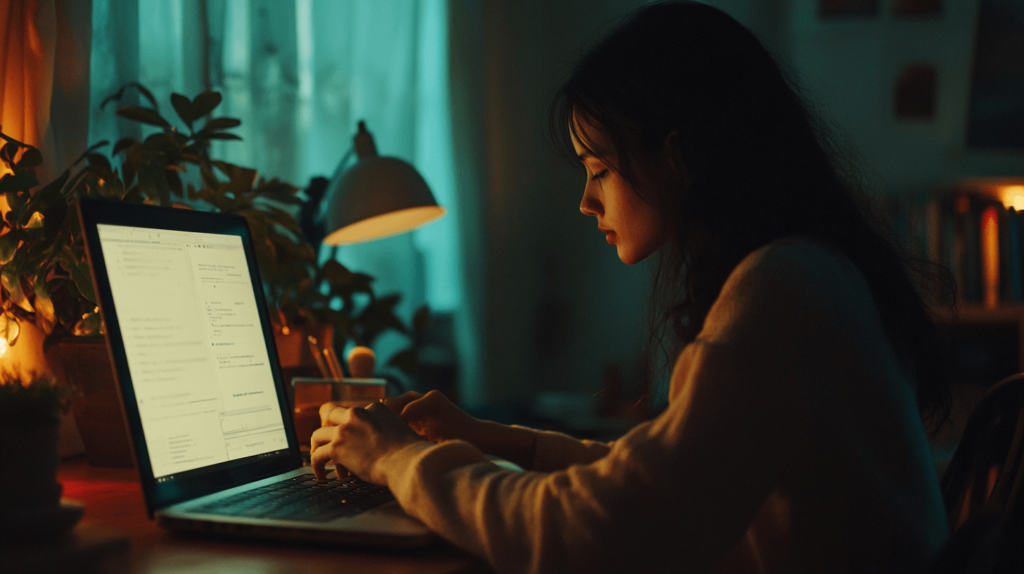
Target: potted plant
299,291
45,277
30,502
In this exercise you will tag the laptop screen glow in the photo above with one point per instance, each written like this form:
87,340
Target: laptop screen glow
195,347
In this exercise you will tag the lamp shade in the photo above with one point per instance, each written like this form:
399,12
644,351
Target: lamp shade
377,197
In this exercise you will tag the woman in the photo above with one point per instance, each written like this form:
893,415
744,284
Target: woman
804,355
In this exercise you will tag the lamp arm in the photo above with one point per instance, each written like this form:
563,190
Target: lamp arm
311,219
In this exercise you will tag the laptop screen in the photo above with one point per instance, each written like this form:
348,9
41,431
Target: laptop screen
194,345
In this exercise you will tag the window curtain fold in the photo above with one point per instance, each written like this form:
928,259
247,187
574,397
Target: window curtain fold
300,74
44,70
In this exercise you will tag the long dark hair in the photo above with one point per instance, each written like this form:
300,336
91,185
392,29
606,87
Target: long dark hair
763,167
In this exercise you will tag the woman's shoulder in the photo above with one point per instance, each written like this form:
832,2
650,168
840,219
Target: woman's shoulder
789,279
797,259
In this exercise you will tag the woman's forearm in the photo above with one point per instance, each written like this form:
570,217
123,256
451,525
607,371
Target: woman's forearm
513,444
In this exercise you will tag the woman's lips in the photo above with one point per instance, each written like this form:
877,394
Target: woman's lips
609,236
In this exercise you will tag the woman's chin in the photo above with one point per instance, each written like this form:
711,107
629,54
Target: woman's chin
633,256
628,257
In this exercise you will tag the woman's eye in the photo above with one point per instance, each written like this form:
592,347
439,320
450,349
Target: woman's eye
599,175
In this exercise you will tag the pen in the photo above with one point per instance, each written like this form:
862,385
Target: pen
333,364
315,348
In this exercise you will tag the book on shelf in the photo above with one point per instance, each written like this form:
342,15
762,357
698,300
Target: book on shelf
976,237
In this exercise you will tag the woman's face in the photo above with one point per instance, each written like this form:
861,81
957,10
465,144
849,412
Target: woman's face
632,225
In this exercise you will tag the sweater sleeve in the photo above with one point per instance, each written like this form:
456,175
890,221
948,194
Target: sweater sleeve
556,451
676,493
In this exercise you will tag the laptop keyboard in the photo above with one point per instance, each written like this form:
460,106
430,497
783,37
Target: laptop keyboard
302,498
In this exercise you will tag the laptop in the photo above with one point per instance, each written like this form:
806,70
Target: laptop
206,408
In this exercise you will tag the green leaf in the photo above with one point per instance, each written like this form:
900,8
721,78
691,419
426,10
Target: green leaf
222,136
146,94
9,245
174,180
379,316
133,195
161,143
11,280
91,324
91,149
12,330
115,97
361,283
343,327
35,221
54,219
45,316
143,115
8,152
24,180
83,280
205,103
100,160
217,200
337,275
420,321
123,144
218,124
47,204
405,361
282,218
153,184
31,158
120,93
183,106
241,179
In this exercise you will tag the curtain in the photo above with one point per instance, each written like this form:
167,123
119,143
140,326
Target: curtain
44,70
300,74
44,94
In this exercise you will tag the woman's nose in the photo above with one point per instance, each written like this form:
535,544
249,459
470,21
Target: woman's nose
590,205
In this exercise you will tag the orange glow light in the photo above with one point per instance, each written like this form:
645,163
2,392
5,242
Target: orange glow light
1012,196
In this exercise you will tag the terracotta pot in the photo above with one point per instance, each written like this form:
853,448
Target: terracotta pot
82,364
293,346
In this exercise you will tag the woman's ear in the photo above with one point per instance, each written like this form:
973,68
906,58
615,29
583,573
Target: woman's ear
674,151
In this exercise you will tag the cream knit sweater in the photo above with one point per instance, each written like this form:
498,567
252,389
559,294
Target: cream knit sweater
791,444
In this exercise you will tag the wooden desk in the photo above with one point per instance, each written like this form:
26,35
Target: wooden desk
113,501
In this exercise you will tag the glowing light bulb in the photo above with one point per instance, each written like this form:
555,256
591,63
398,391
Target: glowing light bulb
3,346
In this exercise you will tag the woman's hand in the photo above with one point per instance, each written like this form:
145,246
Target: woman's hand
435,418
361,440
432,415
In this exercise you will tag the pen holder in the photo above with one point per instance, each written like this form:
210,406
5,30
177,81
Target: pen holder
311,393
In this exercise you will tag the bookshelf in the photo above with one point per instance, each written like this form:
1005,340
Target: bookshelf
976,230
984,343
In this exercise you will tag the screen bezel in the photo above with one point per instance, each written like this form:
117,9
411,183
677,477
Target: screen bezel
183,486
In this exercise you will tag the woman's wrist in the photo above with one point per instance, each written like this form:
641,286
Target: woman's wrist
513,444
398,459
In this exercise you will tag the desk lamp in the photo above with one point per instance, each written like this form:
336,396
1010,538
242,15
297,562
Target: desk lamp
375,198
